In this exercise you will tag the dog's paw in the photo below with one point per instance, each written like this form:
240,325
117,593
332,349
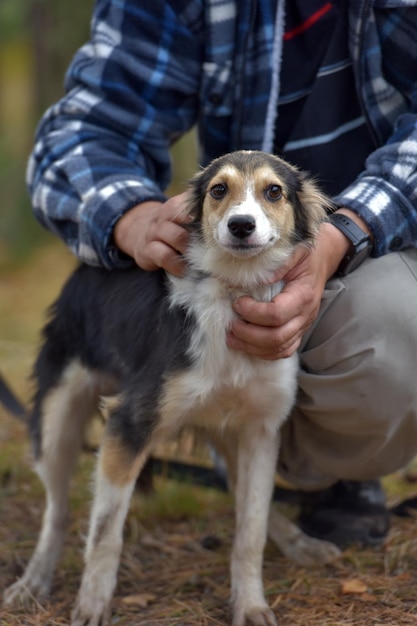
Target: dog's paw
93,603
90,611
24,592
257,616
309,552
298,546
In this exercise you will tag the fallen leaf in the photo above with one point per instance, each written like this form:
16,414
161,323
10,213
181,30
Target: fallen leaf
368,597
140,599
354,585
406,576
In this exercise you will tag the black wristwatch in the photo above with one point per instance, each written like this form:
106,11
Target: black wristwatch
360,243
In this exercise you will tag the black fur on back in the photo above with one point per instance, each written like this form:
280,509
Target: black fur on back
116,322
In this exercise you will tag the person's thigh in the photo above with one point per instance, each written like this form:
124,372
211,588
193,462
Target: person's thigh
356,412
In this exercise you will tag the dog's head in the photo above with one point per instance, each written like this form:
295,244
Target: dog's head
250,209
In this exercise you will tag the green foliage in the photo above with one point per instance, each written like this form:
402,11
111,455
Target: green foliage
12,18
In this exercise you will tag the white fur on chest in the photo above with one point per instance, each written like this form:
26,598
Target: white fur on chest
230,381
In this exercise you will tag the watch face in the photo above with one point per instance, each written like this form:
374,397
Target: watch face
354,258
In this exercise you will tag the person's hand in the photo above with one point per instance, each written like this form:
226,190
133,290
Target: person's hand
274,330
153,234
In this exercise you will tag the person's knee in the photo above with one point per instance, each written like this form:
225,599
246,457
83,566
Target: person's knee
356,413
378,296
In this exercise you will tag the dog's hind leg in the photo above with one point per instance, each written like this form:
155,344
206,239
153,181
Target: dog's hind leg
118,468
256,460
63,411
296,545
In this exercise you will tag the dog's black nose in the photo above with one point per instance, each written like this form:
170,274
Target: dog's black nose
241,226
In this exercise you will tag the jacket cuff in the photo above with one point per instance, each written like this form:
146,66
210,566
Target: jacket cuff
101,212
385,211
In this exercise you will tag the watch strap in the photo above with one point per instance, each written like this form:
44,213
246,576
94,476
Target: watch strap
353,232
360,242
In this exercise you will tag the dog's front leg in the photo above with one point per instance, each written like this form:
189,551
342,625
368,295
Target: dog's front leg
257,454
116,476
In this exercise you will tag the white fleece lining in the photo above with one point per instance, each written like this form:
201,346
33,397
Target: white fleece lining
272,112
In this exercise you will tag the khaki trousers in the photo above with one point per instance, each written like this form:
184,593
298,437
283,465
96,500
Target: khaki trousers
356,411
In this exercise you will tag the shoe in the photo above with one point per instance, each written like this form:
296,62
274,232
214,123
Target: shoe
347,513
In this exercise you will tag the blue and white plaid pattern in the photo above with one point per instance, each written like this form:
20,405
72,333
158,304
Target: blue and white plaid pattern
155,68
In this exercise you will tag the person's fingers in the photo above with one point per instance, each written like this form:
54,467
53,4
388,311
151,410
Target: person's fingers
262,313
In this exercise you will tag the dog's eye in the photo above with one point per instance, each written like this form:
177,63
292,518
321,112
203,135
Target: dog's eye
273,192
218,191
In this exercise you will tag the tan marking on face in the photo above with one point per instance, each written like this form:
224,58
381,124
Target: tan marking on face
236,183
281,211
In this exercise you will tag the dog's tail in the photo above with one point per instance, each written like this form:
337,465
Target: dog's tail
10,401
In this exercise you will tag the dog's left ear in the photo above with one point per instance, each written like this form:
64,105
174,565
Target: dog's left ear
312,207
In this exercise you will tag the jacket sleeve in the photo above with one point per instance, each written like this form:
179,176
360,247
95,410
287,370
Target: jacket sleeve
130,92
385,194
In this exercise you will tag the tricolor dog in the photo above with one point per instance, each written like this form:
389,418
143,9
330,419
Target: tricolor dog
155,346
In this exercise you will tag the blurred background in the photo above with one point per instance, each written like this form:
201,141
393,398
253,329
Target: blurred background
37,41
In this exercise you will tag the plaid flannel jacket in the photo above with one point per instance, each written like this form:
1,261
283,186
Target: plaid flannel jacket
154,68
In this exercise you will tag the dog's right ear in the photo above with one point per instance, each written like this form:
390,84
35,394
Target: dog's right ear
197,189
196,193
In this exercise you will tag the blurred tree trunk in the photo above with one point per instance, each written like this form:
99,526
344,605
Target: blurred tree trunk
56,29
39,25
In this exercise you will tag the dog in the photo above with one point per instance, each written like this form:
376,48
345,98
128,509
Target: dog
152,348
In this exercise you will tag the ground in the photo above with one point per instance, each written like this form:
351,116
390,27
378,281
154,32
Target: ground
174,568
